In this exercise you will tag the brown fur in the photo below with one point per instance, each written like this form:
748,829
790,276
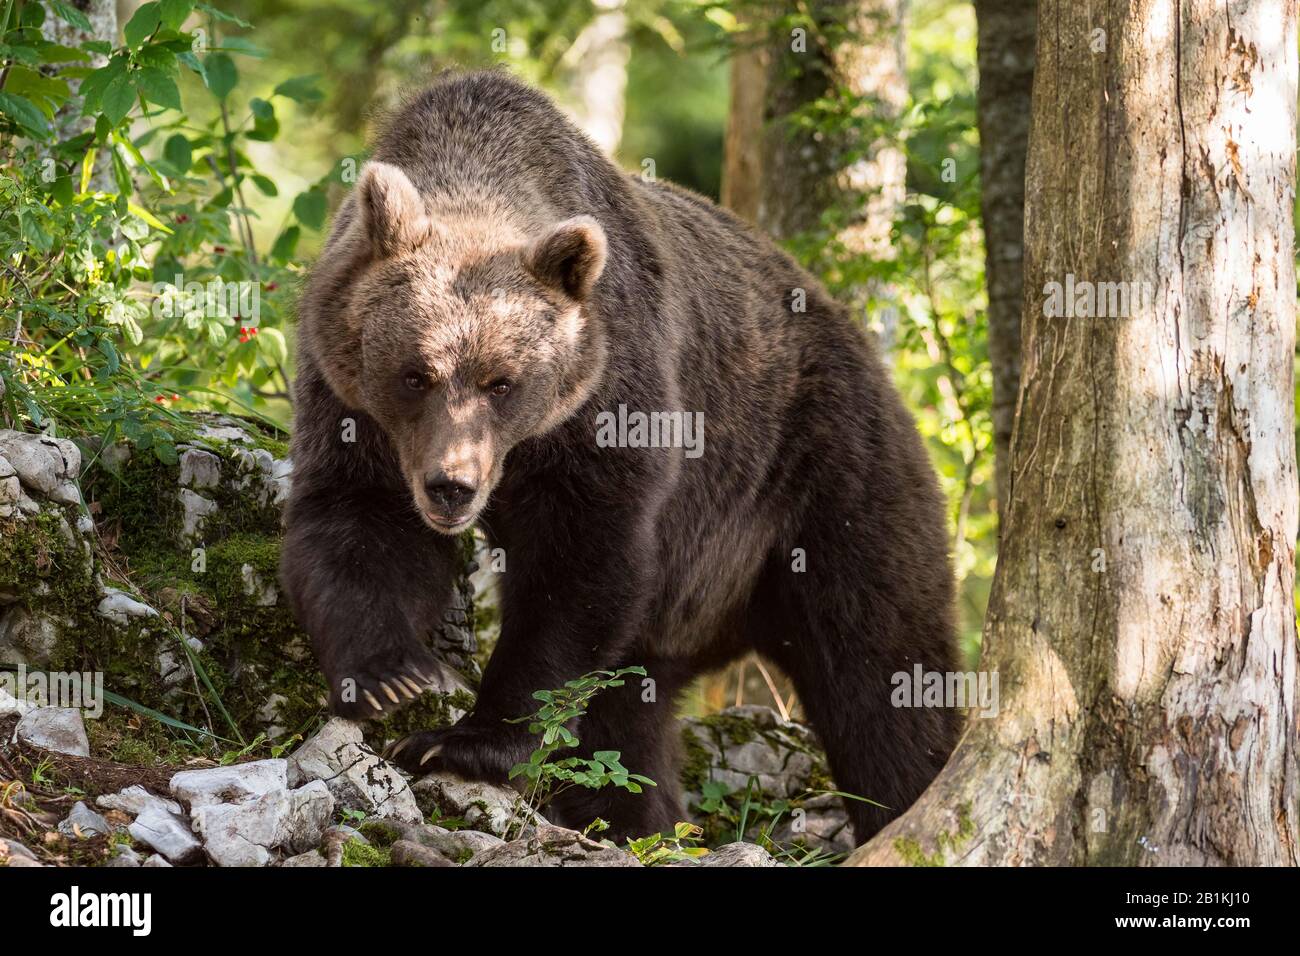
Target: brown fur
490,243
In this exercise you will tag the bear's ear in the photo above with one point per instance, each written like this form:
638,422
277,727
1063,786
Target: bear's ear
392,212
570,257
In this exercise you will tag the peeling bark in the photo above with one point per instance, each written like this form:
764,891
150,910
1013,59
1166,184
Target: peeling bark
1141,620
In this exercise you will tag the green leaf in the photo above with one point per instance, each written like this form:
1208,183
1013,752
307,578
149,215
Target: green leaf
54,53
148,217
310,208
265,125
93,86
271,343
286,244
87,168
301,88
46,93
109,351
62,189
23,112
157,87
141,26
265,185
155,54
70,14
174,12
220,74
131,329
194,63
222,15
119,97
158,178
178,154
33,15
241,45
122,174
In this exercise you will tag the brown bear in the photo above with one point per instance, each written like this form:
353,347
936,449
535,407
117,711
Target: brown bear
687,450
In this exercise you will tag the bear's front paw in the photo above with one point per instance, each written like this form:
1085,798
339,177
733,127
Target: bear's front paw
471,752
381,682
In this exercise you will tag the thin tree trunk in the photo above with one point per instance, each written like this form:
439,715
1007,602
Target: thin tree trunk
783,176
68,121
742,171
1141,621
1006,74
597,62
856,46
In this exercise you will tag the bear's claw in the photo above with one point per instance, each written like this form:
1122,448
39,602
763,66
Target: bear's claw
467,751
380,685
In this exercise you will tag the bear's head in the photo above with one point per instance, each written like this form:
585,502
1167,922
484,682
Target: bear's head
459,334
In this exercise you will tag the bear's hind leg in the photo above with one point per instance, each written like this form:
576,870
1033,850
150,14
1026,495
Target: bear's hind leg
841,653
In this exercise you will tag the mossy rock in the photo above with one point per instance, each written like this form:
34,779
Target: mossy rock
223,652
746,774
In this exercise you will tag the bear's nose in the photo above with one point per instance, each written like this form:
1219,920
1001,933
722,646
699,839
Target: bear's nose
447,493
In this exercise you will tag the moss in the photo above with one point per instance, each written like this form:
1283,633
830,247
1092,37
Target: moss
143,498
734,728
946,843
356,853
696,763
911,853
37,543
380,833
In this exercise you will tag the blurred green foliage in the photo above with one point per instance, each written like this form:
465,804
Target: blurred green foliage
131,274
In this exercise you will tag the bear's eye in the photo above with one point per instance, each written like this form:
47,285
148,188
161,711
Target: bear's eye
499,388
416,382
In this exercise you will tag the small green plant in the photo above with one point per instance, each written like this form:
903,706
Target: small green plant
547,777
658,849
352,818
41,772
713,799
447,823
276,750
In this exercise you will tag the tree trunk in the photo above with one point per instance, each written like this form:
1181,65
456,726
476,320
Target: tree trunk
785,177
68,121
598,74
742,170
1141,620
1006,74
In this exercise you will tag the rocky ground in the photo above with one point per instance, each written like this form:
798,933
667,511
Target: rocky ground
214,747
